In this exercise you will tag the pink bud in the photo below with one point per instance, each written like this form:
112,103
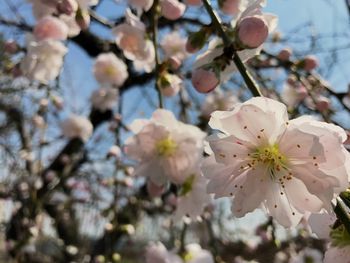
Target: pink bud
252,31
230,7
284,54
50,27
10,47
174,62
58,102
310,62
204,81
172,9
193,2
154,190
322,103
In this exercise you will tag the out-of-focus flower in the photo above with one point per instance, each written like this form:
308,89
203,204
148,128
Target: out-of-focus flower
193,196
131,38
174,45
43,60
157,253
172,9
297,165
293,93
50,27
230,7
104,99
164,147
114,151
193,2
285,54
77,127
110,70
170,84
218,100
196,254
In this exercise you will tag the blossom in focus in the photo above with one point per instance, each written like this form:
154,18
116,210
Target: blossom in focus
192,197
164,147
174,45
131,38
172,9
43,60
218,100
104,98
50,27
110,70
263,159
77,127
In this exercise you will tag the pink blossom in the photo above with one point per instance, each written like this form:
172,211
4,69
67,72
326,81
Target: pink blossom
252,31
172,9
141,4
110,70
204,81
322,103
50,27
297,165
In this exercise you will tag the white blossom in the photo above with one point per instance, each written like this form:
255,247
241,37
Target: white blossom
77,127
43,60
104,98
164,147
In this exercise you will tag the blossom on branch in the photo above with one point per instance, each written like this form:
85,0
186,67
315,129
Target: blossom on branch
164,147
77,127
263,159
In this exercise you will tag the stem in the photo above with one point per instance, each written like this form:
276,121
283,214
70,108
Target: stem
155,43
248,79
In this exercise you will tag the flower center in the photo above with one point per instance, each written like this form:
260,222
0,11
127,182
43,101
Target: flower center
110,71
271,157
166,147
187,185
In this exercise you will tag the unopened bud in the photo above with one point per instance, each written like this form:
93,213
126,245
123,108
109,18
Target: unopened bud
252,31
204,81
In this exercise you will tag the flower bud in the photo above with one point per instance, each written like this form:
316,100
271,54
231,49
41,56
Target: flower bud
197,40
284,54
204,81
174,62
172,9
252,31
169,84
322,103
310,62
